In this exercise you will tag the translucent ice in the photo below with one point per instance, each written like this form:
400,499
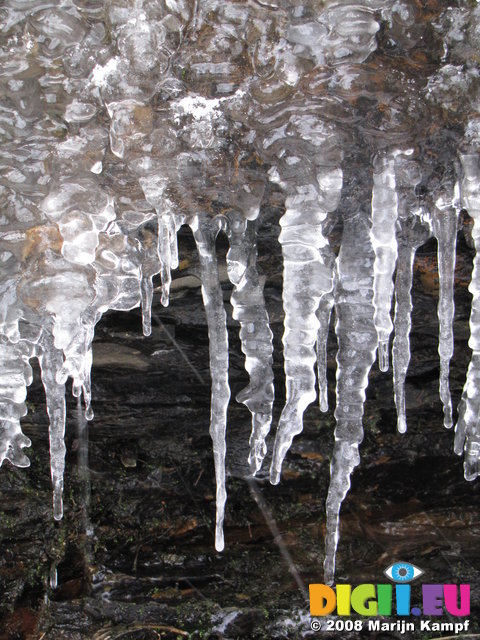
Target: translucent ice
255,334
444,218
357,345
307,276
384,242
205,233
324,313
467,430
51,361
413,232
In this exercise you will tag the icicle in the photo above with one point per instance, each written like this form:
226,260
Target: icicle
147,298
384,218
51,361
445,230
205,234
357,343
167,252
402,324
87,375
307,276
467,430
79,358
256,337
175,223
150,266
413,233
324,313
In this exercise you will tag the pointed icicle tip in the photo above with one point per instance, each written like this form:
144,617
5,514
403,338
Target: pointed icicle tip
401,424
165,299
274,476
58,503
220,543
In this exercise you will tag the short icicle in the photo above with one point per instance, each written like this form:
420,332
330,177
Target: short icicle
167,252
205,233
147,299
87,365
255,334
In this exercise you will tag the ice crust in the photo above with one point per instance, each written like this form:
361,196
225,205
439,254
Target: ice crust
112,141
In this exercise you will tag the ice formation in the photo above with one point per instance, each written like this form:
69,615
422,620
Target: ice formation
122,120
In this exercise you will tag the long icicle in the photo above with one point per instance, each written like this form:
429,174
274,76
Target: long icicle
402,324
307,276
413,232
467,430
357,346
384,218
444,218
205,233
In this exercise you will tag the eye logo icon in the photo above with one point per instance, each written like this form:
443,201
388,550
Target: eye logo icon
372,600
402,572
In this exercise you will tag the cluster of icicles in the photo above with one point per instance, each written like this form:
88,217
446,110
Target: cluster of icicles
107,150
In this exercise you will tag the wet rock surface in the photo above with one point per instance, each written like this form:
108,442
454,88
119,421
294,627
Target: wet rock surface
134,553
